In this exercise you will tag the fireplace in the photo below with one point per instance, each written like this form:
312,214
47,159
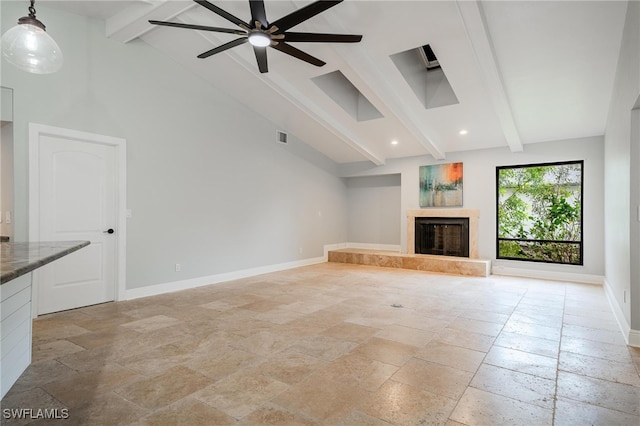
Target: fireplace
449,218
443,236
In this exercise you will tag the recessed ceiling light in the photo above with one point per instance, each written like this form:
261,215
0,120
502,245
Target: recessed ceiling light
394,142
463,132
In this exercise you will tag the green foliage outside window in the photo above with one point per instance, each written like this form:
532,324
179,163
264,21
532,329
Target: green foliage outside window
540,212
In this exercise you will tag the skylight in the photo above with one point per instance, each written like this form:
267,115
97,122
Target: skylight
423,72
345,94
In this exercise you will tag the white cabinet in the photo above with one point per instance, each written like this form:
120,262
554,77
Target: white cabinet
17,261
15,330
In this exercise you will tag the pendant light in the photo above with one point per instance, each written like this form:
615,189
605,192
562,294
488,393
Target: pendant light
29,47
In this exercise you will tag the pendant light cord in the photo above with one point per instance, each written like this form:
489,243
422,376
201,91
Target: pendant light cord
32,10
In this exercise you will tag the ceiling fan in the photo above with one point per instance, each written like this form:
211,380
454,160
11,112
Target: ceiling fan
261,33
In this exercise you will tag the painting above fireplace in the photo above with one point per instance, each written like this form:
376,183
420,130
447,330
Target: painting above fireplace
441,185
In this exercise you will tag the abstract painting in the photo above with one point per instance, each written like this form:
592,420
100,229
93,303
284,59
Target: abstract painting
441,185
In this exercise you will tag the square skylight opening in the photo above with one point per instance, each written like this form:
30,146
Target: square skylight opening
347,96
422,71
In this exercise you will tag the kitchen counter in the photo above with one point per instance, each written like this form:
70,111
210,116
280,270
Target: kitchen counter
17,259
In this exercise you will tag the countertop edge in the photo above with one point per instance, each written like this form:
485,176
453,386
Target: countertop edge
37,263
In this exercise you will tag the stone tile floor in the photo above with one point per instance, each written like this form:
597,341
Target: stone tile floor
324,345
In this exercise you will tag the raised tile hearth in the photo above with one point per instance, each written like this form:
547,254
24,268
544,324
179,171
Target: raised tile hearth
420,262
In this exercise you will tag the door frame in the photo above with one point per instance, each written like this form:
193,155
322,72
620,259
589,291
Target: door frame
36,131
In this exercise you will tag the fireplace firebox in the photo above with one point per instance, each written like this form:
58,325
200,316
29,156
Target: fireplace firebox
444,236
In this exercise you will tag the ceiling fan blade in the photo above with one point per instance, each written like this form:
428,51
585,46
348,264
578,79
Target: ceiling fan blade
197,27
302,14
297,53
316,37
226,15
261,57
258,13
222,48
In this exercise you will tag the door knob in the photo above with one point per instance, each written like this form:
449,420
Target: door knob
109,231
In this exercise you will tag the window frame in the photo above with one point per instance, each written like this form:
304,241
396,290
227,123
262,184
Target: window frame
580,243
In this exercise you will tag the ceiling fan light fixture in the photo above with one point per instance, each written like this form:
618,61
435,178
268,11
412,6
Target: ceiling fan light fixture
259,39
30,48
262,34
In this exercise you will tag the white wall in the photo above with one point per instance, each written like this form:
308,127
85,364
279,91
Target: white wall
6,161
374,209
208,185
6,177
479,169
623,196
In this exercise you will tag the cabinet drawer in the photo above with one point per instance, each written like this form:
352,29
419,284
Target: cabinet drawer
14,286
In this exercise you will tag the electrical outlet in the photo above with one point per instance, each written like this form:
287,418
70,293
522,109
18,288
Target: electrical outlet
300,250
178,267
7,216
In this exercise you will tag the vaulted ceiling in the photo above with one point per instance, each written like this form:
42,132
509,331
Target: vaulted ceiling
520,72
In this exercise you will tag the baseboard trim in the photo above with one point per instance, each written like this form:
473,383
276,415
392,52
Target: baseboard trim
169,287
625,328
329,247
548,275
634,338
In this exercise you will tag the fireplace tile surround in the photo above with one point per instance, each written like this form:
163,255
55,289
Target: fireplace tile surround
472,214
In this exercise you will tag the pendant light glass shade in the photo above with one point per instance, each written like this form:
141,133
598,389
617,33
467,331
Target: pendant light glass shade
30,48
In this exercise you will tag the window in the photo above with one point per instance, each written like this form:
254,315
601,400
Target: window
540,212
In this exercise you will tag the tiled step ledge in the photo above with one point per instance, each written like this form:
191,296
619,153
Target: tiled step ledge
420,262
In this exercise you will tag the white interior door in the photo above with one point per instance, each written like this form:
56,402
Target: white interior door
77,201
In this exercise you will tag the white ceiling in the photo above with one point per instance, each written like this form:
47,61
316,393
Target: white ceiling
523,71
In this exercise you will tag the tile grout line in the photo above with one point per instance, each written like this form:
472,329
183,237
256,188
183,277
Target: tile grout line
487,353
587,375
555,389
